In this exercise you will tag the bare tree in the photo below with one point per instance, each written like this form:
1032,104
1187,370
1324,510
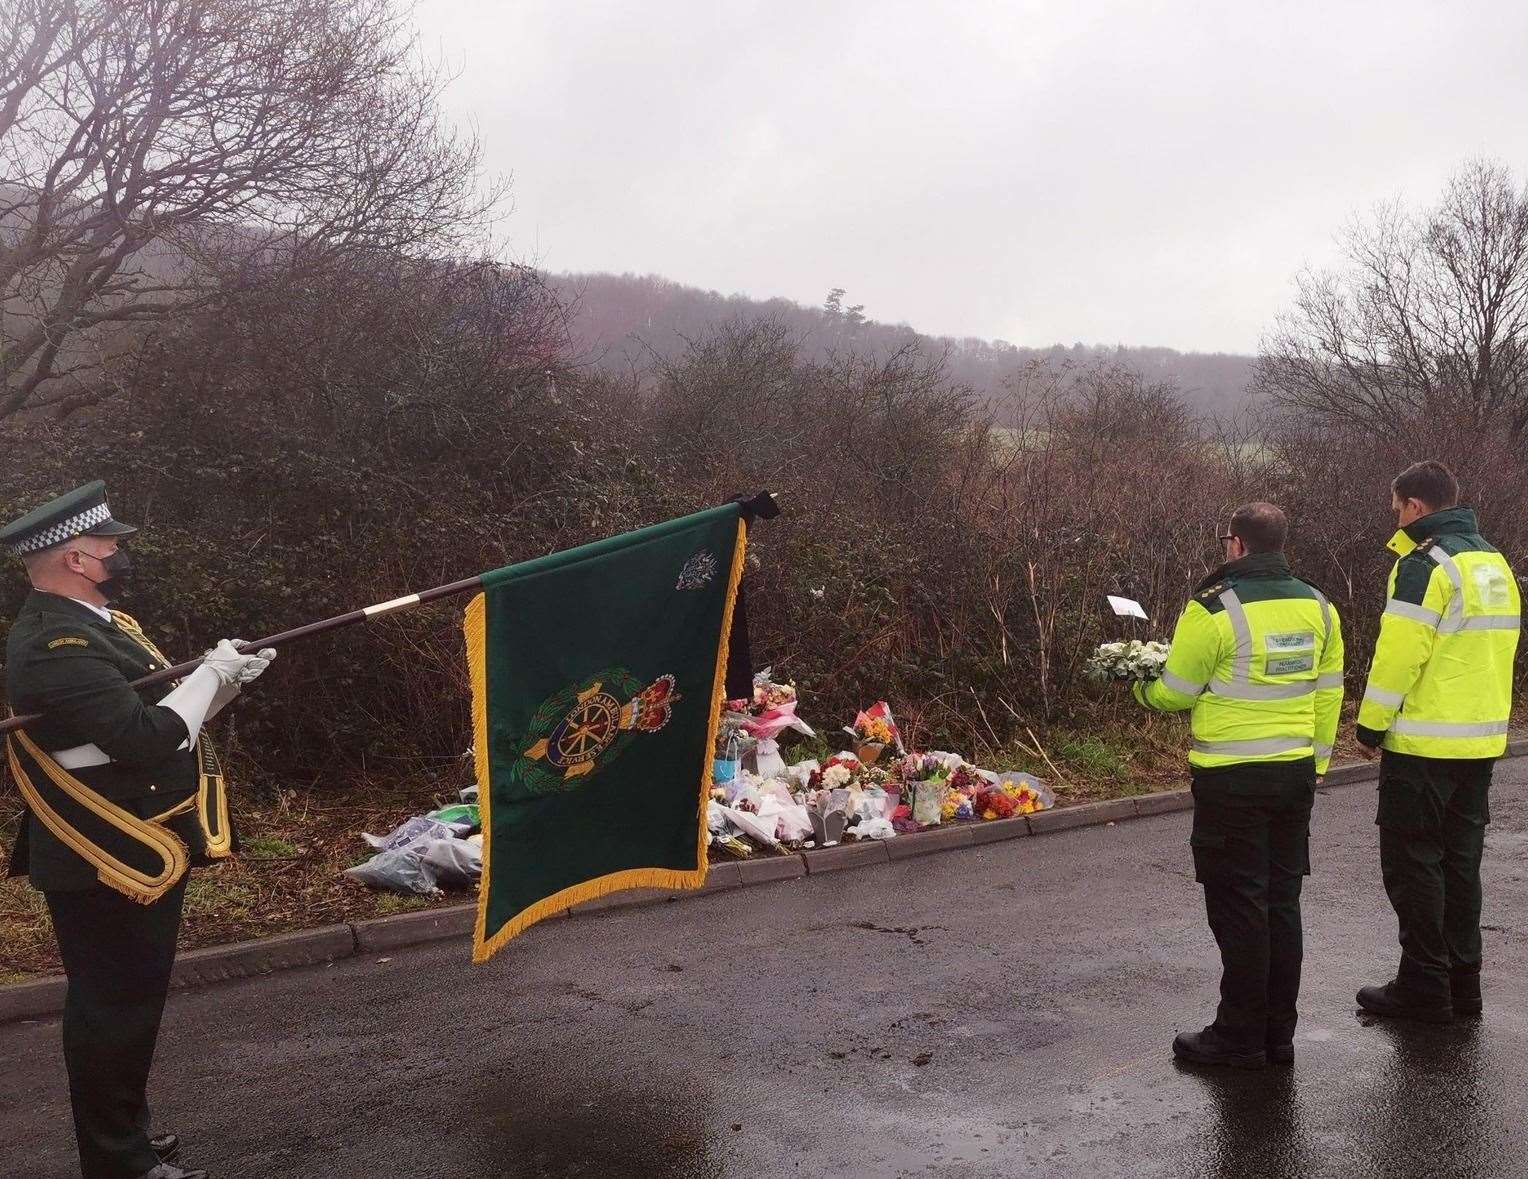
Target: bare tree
1429,324
154,152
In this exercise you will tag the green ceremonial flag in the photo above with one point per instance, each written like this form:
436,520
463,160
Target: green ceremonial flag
597,683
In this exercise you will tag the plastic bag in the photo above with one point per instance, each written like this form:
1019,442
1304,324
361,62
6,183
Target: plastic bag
397,870
455,862
418,828
460,814
875,829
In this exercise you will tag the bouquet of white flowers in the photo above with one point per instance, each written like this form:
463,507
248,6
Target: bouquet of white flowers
1127,661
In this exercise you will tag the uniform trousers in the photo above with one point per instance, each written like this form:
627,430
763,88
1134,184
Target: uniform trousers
1251,844
117,955
1432,829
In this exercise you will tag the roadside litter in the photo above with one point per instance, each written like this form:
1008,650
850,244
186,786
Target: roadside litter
442,848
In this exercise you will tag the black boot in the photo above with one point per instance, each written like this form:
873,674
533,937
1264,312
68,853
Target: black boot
1280,1053
1394,1001
171,1171
1466,990
1208,1047
166,1146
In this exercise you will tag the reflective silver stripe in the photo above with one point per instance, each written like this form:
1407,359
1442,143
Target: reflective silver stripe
1384,696
1241,668
1323,751
1326,615
1262,691
1411,610
1481,622
1178,684
1418,728
1456,576
1332,679
1252,748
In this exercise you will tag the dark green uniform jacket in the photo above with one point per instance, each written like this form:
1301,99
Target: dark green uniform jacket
68,663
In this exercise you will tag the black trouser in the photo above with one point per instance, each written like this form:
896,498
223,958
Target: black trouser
118,956
1251,844
1432,829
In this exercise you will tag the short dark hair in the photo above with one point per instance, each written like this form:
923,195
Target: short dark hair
1262,527
1431,482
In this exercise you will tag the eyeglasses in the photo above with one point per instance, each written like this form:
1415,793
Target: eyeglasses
1225,536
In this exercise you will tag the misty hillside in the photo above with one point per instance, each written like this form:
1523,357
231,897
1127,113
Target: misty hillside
618,321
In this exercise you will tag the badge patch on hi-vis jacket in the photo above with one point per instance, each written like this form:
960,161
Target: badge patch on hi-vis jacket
1302,640
1491,587
68,641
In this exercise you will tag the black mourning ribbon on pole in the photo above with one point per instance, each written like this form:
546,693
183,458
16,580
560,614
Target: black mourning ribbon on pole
758,507
739,656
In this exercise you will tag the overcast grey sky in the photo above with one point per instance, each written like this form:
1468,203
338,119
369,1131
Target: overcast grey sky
1124,172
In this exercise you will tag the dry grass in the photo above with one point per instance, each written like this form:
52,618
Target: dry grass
287,877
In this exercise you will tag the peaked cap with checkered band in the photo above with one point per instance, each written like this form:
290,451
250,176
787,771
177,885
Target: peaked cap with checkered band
81,512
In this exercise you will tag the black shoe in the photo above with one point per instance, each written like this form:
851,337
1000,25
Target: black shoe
1466,989
1392,1000
166,1146
1207,1047
171,1171
1280,1053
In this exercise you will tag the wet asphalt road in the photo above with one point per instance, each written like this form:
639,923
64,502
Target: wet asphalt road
999,1011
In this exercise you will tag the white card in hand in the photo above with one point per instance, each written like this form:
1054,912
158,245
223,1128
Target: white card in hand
1126,607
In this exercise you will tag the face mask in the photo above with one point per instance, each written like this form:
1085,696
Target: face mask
118,568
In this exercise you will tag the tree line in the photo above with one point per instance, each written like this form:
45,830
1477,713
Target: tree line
621,322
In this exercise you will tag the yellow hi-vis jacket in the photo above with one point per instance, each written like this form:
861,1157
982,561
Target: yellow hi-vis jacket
1257,655
1441,682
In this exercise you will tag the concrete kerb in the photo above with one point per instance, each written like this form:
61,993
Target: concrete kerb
44,997
283,951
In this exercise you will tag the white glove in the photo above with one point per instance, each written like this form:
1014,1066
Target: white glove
233,668
258,662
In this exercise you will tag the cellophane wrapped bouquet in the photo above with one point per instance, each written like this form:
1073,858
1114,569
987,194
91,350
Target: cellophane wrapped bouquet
1127,661
873,731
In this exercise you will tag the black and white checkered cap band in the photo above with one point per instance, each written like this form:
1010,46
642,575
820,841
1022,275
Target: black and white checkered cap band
76,525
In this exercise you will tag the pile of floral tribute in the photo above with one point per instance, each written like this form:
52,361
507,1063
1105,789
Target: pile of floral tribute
758,800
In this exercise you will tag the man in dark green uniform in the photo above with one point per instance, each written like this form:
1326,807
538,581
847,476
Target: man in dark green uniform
124,794
1258,657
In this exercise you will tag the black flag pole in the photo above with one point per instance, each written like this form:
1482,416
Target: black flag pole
764,506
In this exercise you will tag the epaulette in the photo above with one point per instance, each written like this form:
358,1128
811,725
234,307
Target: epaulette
1207,595
1424,550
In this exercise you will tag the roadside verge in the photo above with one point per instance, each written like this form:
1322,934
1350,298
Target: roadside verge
44,997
